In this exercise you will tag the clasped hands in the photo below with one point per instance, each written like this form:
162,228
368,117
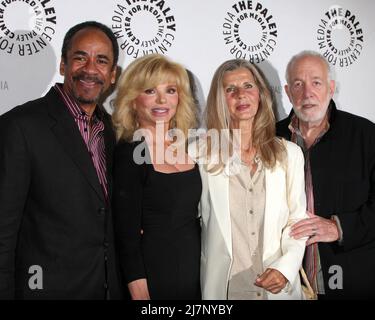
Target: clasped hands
316,229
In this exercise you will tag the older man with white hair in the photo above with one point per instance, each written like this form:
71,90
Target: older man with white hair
339,150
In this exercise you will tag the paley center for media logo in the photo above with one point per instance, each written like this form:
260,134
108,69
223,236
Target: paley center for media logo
340,36
26,26
250,31
144,27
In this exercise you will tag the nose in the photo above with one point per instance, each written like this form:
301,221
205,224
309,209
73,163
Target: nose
90,66
240,92
161,98
307,90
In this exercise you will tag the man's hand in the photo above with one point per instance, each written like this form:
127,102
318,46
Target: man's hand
271,280
316,228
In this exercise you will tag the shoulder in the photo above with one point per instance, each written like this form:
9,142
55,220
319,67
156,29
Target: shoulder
134,153
26,110
294,153
32,110
291,147
125,147
346,118
27,116
350,128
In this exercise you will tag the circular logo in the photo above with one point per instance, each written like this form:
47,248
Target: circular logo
250,31
26,26
340,36
144,27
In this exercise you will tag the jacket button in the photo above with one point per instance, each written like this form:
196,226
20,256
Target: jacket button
101,212
105,244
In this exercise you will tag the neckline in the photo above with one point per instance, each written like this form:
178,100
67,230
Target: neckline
169,173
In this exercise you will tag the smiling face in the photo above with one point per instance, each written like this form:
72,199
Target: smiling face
241,94
88,70
309,89
156,105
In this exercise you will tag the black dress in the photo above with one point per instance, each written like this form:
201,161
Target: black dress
156,225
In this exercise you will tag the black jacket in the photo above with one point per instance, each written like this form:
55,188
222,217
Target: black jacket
343,174
52,210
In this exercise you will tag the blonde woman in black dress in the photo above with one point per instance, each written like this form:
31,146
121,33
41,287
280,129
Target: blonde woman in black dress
156,197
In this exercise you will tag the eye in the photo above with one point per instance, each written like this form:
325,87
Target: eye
297,85
172,90
317,83
79,58
230,89
248,85
103,61
149,91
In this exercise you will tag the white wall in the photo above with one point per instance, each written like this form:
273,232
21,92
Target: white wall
199,34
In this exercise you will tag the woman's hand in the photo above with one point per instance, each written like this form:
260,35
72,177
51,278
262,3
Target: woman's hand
138,289
272,280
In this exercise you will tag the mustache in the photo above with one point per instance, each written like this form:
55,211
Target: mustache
308,101
88,78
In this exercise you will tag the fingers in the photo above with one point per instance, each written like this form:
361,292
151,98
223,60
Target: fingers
271,280
304,232
262,278
304,228
304,222
275,289
317,229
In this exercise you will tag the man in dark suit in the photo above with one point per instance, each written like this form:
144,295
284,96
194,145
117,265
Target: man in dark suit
56,238
339,150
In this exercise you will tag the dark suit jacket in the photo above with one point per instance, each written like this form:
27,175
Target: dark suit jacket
52,210
343,174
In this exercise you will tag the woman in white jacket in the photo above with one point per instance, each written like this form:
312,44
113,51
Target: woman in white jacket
253,190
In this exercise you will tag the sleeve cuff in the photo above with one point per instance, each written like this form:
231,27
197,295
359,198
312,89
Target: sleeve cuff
338,224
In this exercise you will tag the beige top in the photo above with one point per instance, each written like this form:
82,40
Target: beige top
247,195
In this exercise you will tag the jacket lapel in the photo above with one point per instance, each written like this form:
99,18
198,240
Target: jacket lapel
219,186
274,185
67,133
109,140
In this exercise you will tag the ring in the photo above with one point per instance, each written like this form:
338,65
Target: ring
313,232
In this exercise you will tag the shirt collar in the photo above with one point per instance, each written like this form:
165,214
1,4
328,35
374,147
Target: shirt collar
74,108
296,132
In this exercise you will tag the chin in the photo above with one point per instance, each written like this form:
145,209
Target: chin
87,100
311,118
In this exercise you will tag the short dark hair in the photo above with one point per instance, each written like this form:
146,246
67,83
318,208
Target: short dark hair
90,24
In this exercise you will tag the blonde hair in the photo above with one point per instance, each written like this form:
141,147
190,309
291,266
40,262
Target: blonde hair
268,146
144,73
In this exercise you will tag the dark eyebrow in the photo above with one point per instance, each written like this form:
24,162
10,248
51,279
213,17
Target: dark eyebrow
83,53
80,52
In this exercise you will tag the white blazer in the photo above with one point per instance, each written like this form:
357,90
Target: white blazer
285,204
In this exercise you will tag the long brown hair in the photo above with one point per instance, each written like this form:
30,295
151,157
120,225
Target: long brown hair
268,146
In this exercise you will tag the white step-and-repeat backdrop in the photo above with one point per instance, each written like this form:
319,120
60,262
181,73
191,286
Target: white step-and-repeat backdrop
200,35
